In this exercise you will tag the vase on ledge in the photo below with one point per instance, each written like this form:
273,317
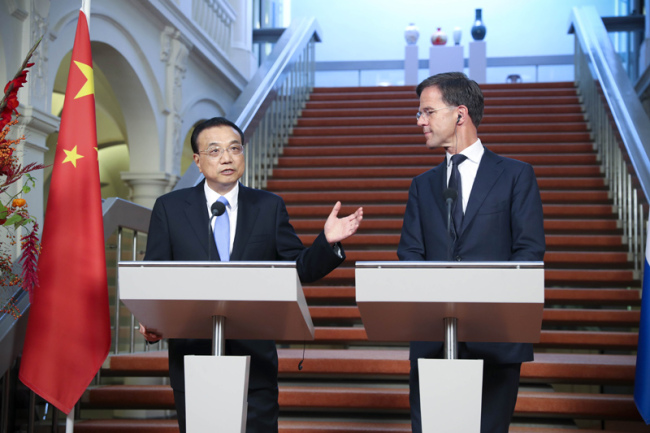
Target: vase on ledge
478,29
411,34
439,37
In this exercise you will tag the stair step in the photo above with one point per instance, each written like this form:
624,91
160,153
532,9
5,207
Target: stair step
410,109
291,398
418,138
395,171
419,149
394,363
400,197
575,183
522,128
409,119
601,340
563,241
484,87
405,94
551,316
395,224
627,297
575,210
285,426
408,103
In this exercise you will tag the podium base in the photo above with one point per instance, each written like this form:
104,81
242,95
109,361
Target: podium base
216,393
450,395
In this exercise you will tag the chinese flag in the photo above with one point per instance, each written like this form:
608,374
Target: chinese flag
68,330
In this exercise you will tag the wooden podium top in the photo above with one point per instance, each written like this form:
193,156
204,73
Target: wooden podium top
260,300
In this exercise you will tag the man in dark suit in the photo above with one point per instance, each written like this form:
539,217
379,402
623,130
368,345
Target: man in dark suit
259,231
497,217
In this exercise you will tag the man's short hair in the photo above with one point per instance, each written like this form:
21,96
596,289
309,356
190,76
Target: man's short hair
211,123
456,90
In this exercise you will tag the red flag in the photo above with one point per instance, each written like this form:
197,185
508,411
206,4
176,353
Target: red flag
68,330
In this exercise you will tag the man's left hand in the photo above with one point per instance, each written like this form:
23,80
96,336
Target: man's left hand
338,229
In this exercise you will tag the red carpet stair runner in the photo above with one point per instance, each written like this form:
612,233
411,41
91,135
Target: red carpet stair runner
361,146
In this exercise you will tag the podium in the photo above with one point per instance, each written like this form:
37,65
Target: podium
217,300
451,302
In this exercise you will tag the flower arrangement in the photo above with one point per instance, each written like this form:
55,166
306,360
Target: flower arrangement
14,212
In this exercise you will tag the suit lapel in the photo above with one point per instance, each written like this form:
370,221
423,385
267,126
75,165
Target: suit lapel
247,214
438,186
489,171
197,215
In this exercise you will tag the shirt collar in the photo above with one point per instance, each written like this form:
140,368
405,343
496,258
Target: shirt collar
473,153
211,196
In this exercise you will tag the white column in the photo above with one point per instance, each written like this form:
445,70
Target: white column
35,125
644,50
174,52
478,61
242,38
147,187
411,64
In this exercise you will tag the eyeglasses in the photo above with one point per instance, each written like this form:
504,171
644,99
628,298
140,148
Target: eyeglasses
429,113
215,152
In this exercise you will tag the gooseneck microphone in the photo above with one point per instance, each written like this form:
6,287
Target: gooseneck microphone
450,195
217,209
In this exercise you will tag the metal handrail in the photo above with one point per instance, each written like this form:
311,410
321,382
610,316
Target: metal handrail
272,101
608,94
118,215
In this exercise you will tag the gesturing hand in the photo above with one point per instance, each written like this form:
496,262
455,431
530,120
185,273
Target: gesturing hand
337,229
151,335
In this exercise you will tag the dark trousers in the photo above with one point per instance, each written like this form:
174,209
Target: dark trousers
500,388
262,416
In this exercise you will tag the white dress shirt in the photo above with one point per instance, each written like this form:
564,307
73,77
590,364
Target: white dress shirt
467,169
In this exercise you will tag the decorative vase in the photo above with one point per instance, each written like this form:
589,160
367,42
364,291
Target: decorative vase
411,34
457,35
478,29
439,37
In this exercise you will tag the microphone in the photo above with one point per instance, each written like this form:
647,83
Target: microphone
217,209
450,195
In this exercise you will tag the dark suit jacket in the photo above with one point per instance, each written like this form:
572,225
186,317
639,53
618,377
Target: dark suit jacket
179,231
503,222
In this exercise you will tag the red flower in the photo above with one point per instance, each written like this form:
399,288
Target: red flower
11,96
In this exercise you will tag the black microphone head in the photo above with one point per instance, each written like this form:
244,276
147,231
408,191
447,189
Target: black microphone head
450,194
217,208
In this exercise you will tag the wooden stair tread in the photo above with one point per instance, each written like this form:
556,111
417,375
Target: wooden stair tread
549,338
549,367
394,399
551,295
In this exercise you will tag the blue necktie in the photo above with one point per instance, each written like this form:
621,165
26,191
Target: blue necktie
455,183
222,233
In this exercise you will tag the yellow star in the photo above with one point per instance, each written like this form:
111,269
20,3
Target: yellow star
89,87
72,156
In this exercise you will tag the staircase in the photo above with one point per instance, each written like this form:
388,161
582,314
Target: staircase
361,146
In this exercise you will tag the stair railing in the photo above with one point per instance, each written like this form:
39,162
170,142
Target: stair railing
620,126
131,222
271,103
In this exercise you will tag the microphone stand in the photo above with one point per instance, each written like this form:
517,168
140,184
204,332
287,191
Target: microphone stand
217,209
450,195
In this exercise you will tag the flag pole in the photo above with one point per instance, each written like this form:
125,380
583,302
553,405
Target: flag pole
69,422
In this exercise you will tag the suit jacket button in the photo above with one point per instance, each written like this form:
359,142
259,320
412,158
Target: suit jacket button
458,259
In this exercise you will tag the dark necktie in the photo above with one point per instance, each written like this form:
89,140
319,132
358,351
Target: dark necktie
455,183
222,233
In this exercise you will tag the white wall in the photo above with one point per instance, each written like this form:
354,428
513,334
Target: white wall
374,29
